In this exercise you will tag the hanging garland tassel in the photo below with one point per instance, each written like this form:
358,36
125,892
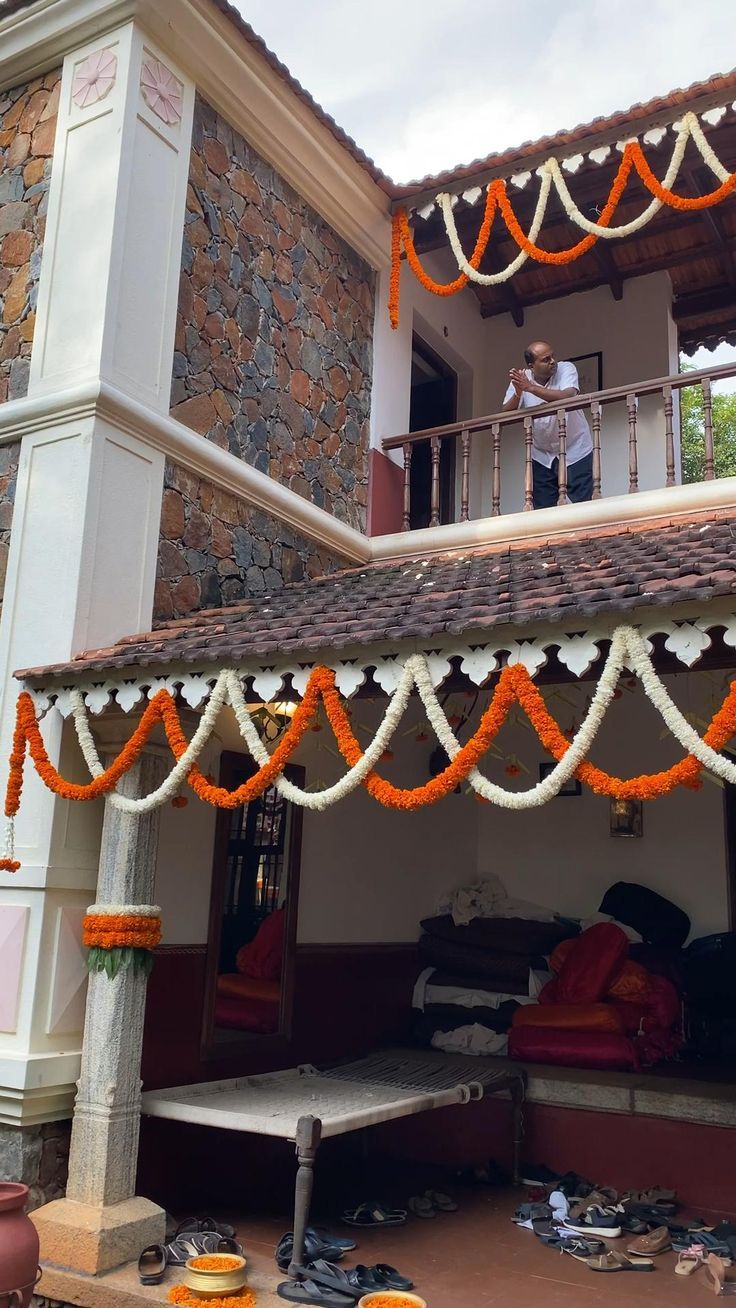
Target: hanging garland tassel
497,199
121,936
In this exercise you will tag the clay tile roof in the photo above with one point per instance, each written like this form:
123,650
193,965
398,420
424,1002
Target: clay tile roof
460,594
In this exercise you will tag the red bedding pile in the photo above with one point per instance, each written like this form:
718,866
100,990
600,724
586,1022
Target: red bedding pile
601,1010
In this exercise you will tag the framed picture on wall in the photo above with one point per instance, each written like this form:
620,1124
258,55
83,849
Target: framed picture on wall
590,372
571,787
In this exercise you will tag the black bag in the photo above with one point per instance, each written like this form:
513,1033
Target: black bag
657,920
710,972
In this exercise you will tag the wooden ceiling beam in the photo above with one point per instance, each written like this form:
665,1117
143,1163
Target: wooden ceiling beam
711,222
698,303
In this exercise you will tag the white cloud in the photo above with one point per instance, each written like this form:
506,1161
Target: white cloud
423,84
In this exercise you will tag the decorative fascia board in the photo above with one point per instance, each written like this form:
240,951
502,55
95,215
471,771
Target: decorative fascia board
36,39
190,451
686,639
235,79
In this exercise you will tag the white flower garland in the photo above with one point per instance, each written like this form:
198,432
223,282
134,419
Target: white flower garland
551,174
124,910
492,279
628,649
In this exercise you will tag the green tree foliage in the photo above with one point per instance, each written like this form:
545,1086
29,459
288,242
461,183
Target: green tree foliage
692,427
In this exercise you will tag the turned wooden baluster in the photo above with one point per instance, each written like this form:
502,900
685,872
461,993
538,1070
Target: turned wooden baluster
710,467
406,522
496,483
669,436
632,404
528,471
596,411
465,486
562,465
434,516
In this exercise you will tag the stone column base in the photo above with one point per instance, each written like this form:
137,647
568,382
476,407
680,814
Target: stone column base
92,1240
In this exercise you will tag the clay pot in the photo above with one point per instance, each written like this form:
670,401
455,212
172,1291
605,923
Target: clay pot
18,1247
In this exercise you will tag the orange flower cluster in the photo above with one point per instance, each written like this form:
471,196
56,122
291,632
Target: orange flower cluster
633,158
215,1263
180,1294
515,685
120,931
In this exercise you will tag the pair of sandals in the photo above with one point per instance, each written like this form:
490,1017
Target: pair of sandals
321,1282
155,1258
318,1245
431,1203
373,1213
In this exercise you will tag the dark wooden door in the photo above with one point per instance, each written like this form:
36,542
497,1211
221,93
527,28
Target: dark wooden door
433,404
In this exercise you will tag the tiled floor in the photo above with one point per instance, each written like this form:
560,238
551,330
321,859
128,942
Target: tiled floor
478,1258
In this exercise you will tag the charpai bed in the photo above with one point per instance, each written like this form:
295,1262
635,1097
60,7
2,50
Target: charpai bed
304,1104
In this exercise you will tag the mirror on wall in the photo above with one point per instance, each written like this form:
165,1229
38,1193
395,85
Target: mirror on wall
253,910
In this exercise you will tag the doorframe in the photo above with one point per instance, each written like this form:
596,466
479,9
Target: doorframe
246,1042
448,372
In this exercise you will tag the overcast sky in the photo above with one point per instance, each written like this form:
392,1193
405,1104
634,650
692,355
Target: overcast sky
425,84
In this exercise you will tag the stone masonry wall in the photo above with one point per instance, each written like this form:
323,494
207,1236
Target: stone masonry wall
38,1156
27,129
273,346
215,549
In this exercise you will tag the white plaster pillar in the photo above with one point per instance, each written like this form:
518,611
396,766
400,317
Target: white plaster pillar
84,542
101,1223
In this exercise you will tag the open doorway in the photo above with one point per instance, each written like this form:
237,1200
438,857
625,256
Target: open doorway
433,404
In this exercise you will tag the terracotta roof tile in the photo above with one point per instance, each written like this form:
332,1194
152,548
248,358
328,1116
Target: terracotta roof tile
458,593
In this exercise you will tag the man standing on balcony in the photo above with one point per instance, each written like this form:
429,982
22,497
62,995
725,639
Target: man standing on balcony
544,381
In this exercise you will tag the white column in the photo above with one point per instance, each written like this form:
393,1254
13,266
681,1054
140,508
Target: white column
84,542
101,1223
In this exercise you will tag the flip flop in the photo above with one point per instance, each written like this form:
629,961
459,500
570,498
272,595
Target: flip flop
444,1202
314,1248
179,1250
364,1279
421,1206
152,1264
309,1292
329,1238
332,1278
374,1214
618,1262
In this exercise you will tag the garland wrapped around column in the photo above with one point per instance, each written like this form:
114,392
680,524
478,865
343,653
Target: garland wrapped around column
121,936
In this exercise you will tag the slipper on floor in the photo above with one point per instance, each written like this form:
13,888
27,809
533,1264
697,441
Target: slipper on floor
364,1279
390,1278
374,1214
718,1272
443,1202
331,1278
618,1262
314,1247
309,1292
690,1260
179,1250
329,1238
421,1206
197,1225
578,1248
152,1264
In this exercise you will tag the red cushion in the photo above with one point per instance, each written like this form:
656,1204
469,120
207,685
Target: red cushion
601,1050
570,1017
264,954
592,964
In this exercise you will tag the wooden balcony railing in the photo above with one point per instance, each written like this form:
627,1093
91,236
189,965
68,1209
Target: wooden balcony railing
598,402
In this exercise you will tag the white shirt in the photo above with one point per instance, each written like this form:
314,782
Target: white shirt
545,435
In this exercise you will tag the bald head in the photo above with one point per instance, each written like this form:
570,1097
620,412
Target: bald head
540,357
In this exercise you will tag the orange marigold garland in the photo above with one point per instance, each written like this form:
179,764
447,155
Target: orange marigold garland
119,936
180,1294
515,685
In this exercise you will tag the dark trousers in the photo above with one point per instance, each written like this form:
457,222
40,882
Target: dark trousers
579,482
